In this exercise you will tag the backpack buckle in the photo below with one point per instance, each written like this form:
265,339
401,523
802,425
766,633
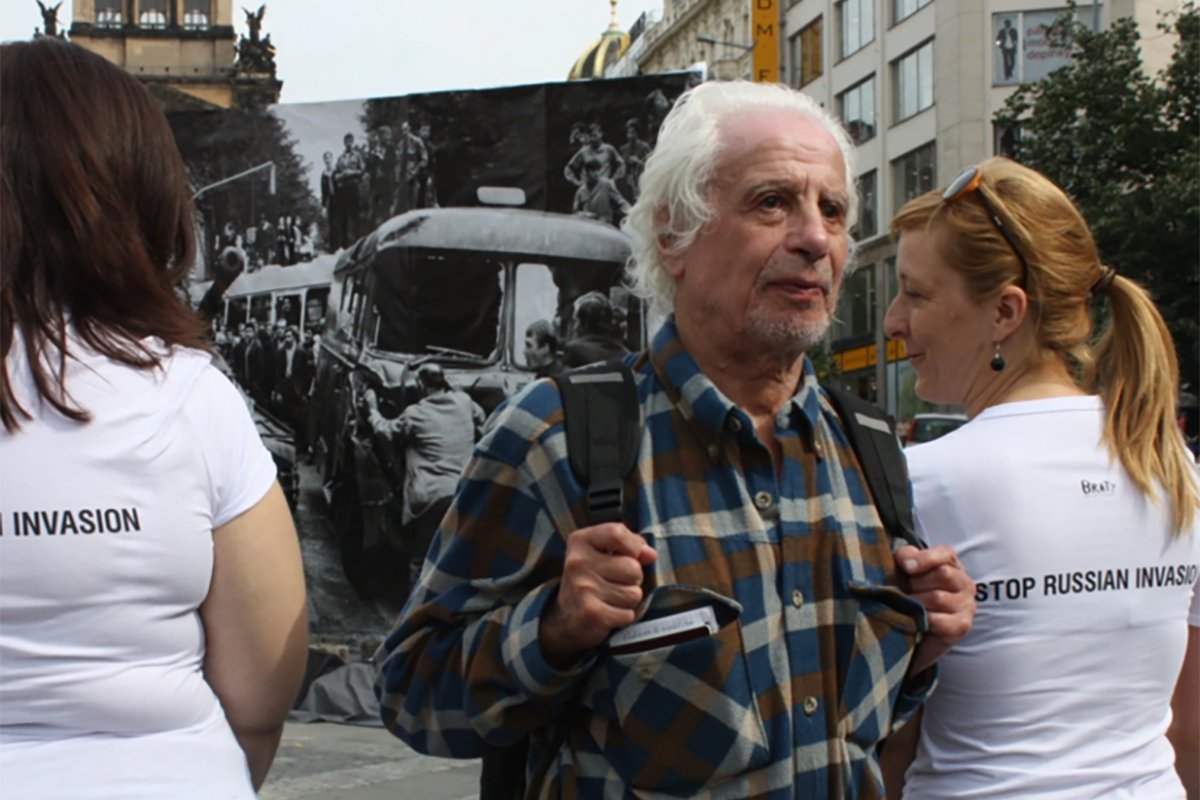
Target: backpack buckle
605,499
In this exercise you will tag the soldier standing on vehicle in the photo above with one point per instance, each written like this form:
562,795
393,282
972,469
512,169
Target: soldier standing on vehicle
438,433
347,176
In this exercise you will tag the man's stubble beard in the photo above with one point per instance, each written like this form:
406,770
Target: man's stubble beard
790,336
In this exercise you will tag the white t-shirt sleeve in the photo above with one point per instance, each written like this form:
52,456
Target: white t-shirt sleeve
240,467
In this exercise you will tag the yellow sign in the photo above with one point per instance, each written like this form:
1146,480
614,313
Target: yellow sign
867,356
766,41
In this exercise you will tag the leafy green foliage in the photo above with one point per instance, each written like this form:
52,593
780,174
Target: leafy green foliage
1126,148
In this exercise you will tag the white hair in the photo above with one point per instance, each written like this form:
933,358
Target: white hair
673,205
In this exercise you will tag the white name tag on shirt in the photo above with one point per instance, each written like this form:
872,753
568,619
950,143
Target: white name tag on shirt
667,626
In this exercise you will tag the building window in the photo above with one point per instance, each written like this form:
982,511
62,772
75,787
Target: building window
868,210
856,24
914,173
856,308
805,53
857,106
903,9
1006,141
109,14
152,14
196,14
913,79
1020,50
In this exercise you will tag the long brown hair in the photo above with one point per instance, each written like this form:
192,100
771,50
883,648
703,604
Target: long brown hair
1131,364
96,219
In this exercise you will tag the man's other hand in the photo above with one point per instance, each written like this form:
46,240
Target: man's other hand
601,586
938,581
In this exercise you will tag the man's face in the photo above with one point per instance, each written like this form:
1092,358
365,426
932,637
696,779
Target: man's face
764,276
537,349
289,339
329,159
349,141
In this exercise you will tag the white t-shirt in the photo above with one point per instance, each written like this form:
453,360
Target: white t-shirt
106,554
1062,687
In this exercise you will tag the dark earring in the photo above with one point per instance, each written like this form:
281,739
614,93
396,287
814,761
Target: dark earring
997,360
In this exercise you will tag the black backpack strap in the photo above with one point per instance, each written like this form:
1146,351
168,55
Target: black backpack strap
872,434
603,427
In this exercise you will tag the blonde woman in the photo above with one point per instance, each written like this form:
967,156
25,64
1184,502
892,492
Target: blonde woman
1069,497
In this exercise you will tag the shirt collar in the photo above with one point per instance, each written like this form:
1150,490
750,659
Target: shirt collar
703,404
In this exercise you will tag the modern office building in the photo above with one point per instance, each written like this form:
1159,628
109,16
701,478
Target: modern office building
917,84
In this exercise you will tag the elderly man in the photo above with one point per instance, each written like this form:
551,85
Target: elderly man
744,633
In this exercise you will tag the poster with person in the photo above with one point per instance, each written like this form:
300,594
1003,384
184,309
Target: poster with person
385,237
1022,52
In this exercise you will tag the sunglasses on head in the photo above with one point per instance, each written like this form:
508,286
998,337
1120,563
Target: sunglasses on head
969,182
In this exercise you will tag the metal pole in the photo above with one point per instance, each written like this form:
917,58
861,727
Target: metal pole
266,165
879,305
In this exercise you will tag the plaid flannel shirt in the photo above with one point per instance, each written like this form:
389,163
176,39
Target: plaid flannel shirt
787,699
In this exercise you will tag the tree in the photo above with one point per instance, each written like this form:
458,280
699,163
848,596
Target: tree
1126,148
219,144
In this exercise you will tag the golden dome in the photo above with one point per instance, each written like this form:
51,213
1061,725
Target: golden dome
606,50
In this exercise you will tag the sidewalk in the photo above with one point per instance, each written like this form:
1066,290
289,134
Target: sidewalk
327,761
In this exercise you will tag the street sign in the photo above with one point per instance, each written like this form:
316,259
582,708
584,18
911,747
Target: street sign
766,41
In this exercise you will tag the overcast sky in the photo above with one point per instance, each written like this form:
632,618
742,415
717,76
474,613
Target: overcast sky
376,48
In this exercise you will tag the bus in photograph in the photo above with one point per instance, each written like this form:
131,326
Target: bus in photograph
458,287
295,295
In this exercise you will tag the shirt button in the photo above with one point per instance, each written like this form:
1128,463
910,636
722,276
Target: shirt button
810,705
797,598
734,424
818,450
763,500
713,451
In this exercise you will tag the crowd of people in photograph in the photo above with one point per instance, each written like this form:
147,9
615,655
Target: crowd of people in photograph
283,242
276,365
368,183
605,178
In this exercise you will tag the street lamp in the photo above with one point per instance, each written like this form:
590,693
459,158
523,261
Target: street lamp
269,168
711,40
268,165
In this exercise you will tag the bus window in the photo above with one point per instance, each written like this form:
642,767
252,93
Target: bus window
236,315
260,310
536,299
315,302
423,307
287,309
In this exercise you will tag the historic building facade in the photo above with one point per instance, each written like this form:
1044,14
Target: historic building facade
186,51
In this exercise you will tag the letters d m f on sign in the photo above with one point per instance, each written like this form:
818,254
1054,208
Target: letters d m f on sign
766,41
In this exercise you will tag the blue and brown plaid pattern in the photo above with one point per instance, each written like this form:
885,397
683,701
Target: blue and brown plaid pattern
787,699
